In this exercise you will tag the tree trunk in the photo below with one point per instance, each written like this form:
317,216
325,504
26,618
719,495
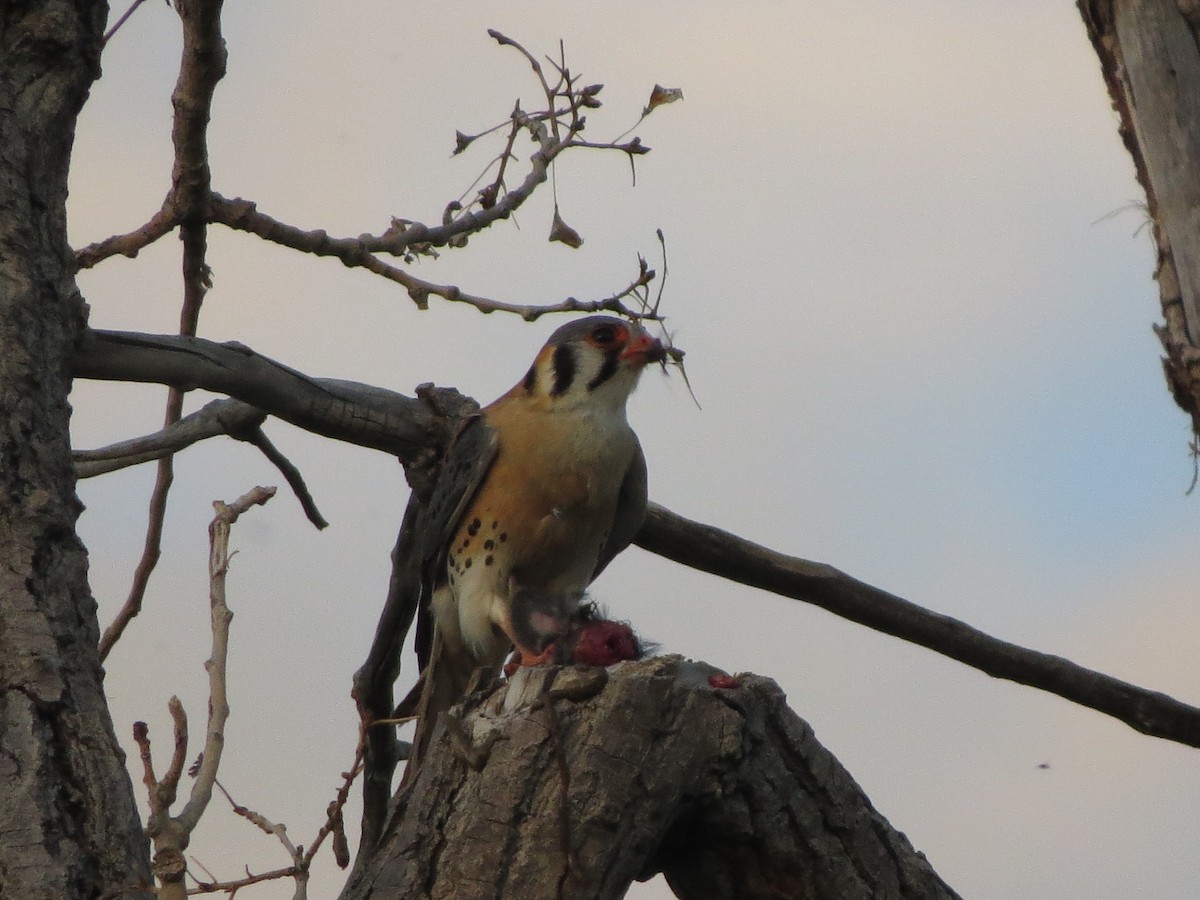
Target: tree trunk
573,783
1150,56
68,821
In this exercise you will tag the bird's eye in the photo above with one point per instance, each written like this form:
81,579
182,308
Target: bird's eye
605,335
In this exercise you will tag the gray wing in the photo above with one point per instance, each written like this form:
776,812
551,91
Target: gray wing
631,510
467,462
468,459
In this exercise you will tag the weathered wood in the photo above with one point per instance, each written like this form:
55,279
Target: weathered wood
573,783
1150,59
371,417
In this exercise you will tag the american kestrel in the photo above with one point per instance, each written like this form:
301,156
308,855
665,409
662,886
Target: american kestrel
533,508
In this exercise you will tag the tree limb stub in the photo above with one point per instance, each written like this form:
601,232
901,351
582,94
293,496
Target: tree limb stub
573,783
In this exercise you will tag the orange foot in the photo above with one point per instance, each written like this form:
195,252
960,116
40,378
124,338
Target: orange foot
524,658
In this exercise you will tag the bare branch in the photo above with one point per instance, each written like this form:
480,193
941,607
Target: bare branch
202,65
261,822
370,417
191,204
301,858
170,783
218,702
720,553
152,546
141,737
505,41
333,820
170,834
243,215
218,417
121,21
233,886
161,223
375,679
494,202
294,479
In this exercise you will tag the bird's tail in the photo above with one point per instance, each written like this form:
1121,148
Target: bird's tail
445,679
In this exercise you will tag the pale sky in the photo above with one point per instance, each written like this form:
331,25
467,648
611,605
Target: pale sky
920,338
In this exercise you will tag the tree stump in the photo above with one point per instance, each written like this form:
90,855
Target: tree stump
574,782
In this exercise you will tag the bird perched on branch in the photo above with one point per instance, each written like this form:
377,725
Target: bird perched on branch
537,496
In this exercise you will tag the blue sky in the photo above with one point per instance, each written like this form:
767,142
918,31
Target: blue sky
921,342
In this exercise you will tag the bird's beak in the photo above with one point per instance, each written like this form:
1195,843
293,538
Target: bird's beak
645,349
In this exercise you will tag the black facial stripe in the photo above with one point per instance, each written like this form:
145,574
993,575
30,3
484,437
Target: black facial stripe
564,369
530,379
612,359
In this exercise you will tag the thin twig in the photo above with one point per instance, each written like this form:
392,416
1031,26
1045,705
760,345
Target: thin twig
245,216
121,21
277,829
333,820
191,203
294,479
231,887
217,417
151,548
169,787
171,833
161,223
218,701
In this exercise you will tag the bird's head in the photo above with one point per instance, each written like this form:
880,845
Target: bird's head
596,360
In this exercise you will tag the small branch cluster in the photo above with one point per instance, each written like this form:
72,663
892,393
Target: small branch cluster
171,833
555,128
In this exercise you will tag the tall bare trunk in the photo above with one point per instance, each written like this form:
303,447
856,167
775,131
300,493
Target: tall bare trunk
68,822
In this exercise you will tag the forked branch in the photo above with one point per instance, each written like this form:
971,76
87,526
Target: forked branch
191,204
171,832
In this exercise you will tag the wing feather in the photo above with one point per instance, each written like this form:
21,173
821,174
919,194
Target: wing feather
631,510
468,459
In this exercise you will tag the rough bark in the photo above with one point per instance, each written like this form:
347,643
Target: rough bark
1150,57
573,783
68,822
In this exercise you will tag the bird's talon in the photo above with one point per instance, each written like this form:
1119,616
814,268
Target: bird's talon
523,660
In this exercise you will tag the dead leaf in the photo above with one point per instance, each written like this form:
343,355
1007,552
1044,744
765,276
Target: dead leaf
563,233
661,96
